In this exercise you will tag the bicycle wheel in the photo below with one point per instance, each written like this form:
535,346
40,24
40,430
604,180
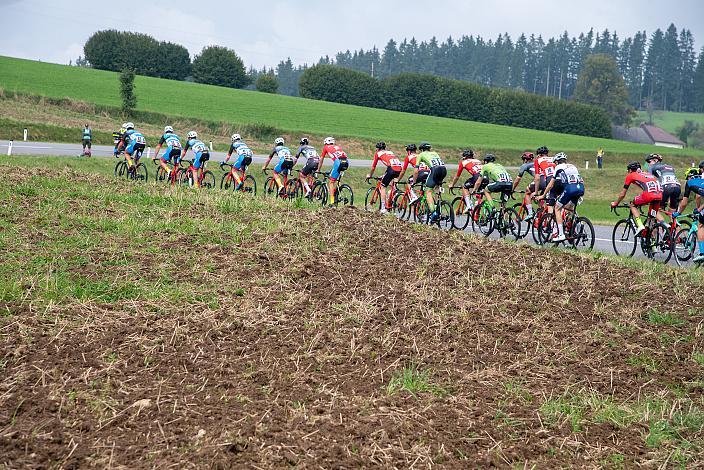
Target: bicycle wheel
140,173
319,193
372,201
161,174
657,244
446,216
512,223
547,226
525,223
249,185
421,211
227,182
208,180
289,192
534,226
120,169
623,238
345,195
402,206
684,245
582,234
483,220
461,219
270,187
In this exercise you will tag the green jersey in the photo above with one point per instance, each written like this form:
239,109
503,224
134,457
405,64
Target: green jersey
496,173
432,159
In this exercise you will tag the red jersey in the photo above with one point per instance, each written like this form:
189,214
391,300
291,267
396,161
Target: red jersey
388,158
334,151
411,160
645,181
544,166
472,165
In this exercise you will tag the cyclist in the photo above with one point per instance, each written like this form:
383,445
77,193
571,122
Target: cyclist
651,192
117,140
133,143
173,149
202,155
244,157
437,175
393,170
474,168
411,156
339,164
285,163
494,178
528,166
568,186
695,184
312,161
87,138
671,189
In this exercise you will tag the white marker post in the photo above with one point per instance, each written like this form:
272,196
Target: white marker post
9,149
149,152
586,164
211,145
25,134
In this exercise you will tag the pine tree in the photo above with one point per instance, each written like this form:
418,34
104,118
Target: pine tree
653,74
698,85
688,57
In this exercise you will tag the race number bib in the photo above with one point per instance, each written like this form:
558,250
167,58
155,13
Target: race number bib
338,154
504,178
173,143
200,147
572,179
550,171
285,154
669,179
311,154
244,152
138,139
395,162
653,187
436,162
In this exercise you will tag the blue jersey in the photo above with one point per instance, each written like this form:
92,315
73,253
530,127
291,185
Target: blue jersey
284,153
694,185
171,140
197,146
241,149
132,138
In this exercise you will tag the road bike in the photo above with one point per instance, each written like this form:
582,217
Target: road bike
206,179
529,223
486,218
685,243
229,180
173,176
578,230
343,192
372,200
272,189
462,216
136,172
441,214
652,239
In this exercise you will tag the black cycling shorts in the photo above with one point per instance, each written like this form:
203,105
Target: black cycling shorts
671,196
311,166
436,177
469,184
500,187
389,176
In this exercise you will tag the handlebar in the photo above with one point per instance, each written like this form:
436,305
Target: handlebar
375,178
452,189
616,208
266,171
226,167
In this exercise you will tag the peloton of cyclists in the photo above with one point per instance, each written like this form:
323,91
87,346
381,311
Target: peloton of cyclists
472,166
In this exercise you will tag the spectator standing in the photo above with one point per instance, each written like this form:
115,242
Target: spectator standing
87,139
600,158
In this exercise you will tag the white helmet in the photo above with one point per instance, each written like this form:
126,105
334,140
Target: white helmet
129,125
236,137
168,129
559,156
279,141
329,141
192,135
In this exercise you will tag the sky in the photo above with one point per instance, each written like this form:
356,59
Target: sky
265,32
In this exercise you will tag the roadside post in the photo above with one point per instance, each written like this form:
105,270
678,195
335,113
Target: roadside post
211,145
25,134
149,152
586,164
9,149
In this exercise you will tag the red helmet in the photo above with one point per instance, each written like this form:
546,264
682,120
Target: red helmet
527,156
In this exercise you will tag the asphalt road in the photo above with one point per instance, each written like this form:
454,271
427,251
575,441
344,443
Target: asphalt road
602,232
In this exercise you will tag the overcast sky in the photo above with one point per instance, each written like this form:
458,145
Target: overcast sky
264,32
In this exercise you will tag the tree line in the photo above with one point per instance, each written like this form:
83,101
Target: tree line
439,96
661,71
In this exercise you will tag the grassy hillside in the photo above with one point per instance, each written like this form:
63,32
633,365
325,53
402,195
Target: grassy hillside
670,120
306,339
287,113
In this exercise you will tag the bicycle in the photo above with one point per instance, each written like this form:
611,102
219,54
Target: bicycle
136,172
521,209
173,176
228,181
343,192
402,201
487,218
205,180
421,209
272,189
373,201
685,241
626,237
579,230
459,206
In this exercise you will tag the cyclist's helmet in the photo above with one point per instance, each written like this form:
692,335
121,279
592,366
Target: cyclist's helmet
653,156
489,158
381,145
168,130
304,141
560,157
129,125
633,166
235,138
425,146
691,173
411,148
279,141
469,153
192,135
701,164
527,156
329,141
542,150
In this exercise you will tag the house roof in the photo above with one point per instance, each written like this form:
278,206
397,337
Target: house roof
659,135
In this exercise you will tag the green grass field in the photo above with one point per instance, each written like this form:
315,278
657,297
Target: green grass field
670,120
289,113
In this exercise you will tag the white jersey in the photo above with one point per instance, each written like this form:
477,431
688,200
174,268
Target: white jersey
567,173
